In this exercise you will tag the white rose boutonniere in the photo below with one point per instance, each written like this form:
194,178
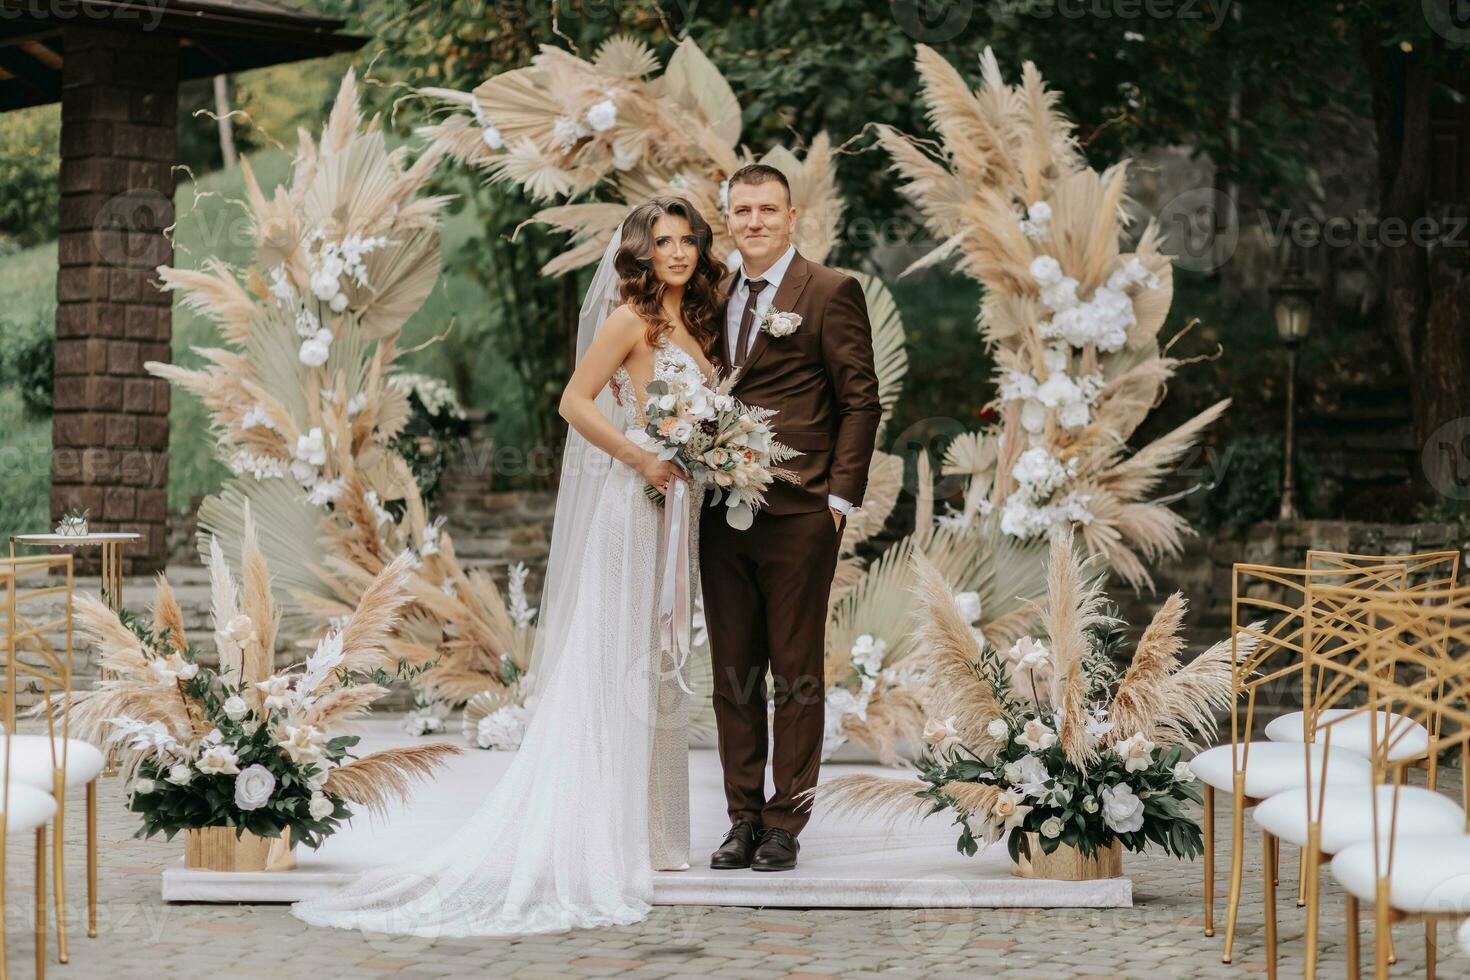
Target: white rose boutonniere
779,324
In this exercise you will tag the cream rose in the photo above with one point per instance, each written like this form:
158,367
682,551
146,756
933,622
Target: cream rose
1036,736
1008,810
304,744
1051,828
1136,751
219,760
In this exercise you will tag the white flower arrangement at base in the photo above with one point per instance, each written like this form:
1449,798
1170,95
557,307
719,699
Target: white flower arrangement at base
1047,739
244,746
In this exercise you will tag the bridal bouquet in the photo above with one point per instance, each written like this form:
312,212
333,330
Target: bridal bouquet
1045,738
716,440
246,745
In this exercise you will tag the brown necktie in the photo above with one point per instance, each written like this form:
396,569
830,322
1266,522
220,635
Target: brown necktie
747,320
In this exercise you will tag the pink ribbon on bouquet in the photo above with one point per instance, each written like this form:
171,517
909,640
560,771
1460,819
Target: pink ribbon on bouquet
673,606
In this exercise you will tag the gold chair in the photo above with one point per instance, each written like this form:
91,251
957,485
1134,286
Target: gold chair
1410,875
1323,817
1270,611
53,762
25,809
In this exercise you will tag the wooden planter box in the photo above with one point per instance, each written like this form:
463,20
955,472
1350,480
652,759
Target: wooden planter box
217,849
1068,864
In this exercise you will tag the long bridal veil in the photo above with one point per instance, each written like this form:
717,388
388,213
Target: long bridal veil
565,839
584,468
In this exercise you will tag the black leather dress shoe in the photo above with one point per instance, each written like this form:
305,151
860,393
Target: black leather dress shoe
776,851
739,844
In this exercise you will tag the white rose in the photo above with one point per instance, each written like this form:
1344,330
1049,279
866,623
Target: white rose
180,774
998,729
1122,811
320,807
1036,735
235,707
1029,653
781,325
317,779
144,786
969,606
1182,773
1089,804
218,760
253,787
603,116
1135,751
1051,827
1012,772
303,744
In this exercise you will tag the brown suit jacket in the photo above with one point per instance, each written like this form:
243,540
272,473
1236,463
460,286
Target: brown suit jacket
821,382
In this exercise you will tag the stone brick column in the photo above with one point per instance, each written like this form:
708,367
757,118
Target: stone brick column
110,427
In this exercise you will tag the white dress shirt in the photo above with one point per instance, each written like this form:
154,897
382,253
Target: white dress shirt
738,298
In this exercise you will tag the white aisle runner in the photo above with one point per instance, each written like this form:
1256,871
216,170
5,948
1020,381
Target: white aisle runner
845,862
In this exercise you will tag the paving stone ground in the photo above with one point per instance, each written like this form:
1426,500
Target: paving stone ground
140,937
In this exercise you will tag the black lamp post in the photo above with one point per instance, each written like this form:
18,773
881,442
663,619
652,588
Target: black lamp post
1291,302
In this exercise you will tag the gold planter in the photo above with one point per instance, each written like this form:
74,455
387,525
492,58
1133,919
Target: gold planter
1067,863
217,849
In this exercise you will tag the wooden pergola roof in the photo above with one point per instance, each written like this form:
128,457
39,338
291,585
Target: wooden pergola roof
216,37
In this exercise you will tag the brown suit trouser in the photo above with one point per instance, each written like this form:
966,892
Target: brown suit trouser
765,605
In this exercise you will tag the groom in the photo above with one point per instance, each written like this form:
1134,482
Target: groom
766,588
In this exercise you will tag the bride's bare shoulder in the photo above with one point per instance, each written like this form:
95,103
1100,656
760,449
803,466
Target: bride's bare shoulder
625,324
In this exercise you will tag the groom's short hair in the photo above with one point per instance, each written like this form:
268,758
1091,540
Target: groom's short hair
761,173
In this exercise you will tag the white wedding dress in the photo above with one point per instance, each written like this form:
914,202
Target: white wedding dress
597,797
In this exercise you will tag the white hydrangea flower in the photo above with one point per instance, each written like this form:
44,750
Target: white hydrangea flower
603,115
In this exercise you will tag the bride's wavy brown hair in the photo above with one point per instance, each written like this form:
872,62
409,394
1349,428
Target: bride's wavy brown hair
644,291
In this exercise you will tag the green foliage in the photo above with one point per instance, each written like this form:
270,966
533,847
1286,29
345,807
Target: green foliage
30,165
27,358
1248,486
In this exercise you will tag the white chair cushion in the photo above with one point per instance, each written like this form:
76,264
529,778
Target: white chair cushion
31,760
1430,874
1272,767
29,809
1347,814
1411,739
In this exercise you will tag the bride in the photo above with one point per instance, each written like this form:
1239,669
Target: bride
597,797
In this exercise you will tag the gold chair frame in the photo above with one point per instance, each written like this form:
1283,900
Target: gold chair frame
22,634
1281,651
1437,625
53,675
